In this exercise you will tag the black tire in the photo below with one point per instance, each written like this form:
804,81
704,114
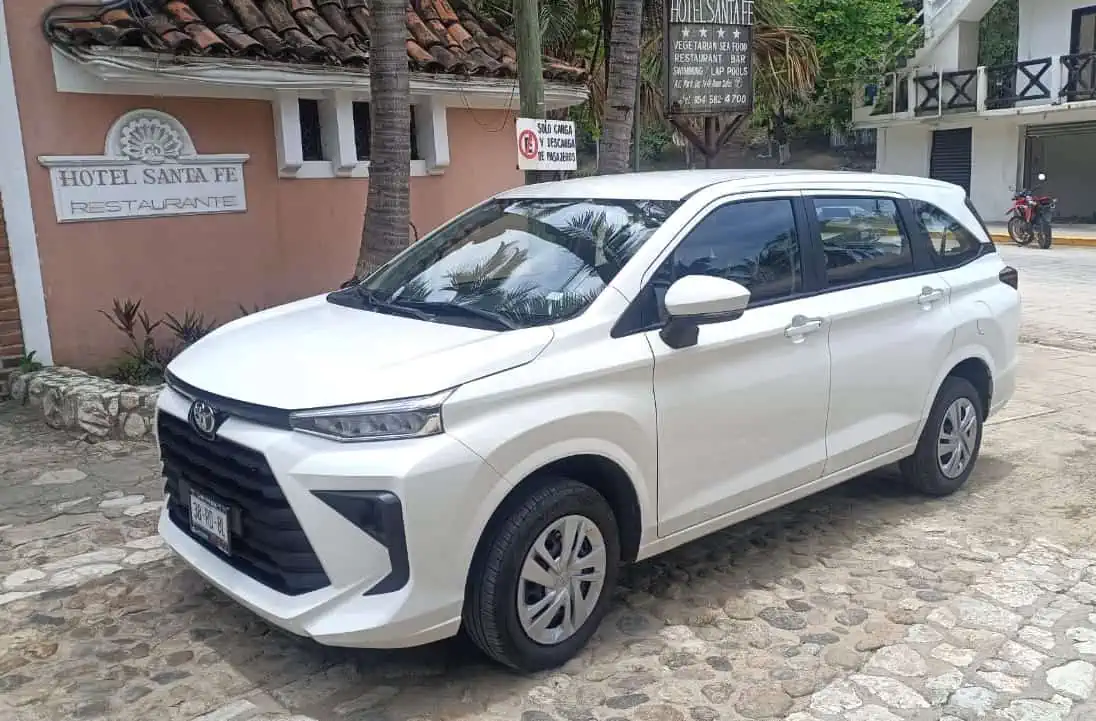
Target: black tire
490,609
922,470
1020,230
1043,233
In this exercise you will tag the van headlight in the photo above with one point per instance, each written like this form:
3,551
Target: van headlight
382,421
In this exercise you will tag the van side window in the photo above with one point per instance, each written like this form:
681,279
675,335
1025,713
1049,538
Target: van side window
862,239
752,242
952,244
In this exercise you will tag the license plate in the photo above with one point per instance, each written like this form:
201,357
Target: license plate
209,520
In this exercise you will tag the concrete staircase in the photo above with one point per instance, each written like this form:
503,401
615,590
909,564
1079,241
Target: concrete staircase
939,18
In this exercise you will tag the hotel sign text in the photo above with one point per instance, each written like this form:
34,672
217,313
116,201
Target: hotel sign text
149,168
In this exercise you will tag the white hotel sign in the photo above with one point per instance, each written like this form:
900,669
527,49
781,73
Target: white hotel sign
149,168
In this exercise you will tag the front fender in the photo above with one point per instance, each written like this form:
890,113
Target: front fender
597,433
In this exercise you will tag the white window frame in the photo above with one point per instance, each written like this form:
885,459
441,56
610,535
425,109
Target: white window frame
337,128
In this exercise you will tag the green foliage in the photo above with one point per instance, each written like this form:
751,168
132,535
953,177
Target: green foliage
857,41
143,358
132,371
152,344
653,140
998,34
27,363
567,27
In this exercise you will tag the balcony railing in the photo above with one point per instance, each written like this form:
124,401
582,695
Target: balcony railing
1079,83
922,93
1012,83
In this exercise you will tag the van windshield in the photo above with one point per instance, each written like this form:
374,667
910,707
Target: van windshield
513,263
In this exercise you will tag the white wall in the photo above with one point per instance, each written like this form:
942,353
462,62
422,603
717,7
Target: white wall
903,150
995,163
957,49
1045,27
995,154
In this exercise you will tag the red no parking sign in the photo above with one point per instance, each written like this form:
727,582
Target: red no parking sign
546,144
528,144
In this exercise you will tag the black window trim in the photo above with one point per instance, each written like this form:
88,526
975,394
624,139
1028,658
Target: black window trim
629,323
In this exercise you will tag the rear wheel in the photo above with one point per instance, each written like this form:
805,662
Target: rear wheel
1019,230
545,578
949,444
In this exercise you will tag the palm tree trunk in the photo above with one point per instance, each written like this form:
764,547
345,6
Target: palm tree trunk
388,206
621,91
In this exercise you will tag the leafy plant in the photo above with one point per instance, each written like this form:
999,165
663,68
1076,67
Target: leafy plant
27,363
191,328
245,311
147,356
131,371
653,140
135,323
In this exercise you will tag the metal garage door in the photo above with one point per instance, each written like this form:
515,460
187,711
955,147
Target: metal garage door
1066,152
1048,131
950,157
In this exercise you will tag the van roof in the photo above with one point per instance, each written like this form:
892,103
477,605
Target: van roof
679,184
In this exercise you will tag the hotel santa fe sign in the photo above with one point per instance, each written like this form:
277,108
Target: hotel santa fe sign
708,63
149,168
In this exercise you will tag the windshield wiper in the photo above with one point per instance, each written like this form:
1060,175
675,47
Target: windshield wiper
370,300
439,308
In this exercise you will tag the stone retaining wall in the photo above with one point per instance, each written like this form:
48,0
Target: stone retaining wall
99,407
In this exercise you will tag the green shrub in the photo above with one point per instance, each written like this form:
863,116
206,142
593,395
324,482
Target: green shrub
147,355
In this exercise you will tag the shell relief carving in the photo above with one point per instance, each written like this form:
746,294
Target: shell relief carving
150,137
150,140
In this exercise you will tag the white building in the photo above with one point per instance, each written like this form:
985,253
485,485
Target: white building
991,129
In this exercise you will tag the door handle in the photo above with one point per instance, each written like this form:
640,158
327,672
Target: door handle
930,295
801,327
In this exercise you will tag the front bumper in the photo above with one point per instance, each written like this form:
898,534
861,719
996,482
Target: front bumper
309,569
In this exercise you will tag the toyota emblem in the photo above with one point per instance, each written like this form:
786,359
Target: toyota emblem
203,418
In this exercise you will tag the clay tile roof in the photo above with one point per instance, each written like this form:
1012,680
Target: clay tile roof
443,36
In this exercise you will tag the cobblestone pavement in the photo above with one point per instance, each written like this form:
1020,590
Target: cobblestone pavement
865,603
1059,287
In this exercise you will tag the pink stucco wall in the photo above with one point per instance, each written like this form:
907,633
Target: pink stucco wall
298,237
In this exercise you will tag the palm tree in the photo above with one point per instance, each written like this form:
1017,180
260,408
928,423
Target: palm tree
620,95
388,206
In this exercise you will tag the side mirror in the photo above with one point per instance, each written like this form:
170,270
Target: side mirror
697,300
1042,176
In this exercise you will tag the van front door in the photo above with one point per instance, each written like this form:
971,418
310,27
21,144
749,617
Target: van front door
741,414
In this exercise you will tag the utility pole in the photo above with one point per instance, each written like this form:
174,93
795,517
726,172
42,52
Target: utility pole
530,74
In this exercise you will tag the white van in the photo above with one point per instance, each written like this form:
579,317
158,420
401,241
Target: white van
574,375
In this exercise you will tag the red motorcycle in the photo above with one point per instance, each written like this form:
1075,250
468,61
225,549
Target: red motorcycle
1029,217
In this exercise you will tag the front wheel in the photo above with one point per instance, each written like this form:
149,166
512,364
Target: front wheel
949,444
1019,230
545,577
